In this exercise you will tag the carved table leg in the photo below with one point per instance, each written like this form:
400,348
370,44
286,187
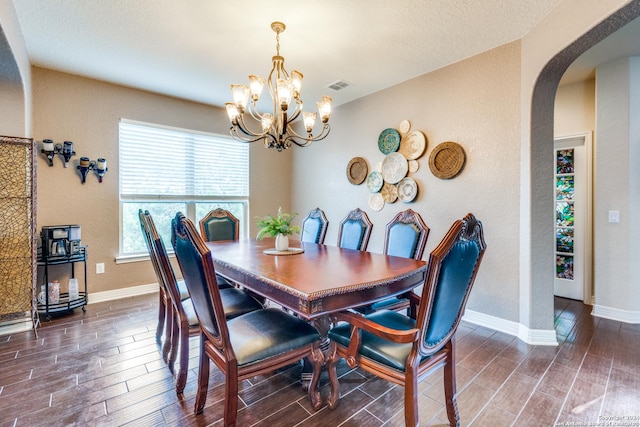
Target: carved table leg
322,324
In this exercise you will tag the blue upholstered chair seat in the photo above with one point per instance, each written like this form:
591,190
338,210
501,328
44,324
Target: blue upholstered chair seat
266,333
376,348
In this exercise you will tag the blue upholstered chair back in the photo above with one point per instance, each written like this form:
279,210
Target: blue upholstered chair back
355,230
219,224
452,269
189,249
314,227
406,235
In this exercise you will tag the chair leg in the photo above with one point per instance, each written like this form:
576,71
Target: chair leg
231,395
450,384
181,381
317,360
162,308
203,378
411,397
168,328
332,360
175,339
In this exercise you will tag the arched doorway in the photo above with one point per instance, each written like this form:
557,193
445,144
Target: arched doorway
540,292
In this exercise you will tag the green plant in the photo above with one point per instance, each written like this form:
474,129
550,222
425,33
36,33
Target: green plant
281,224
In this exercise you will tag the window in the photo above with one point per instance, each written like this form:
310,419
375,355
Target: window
165,170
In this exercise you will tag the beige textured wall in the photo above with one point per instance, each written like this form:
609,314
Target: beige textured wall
474,103
575,108
85,111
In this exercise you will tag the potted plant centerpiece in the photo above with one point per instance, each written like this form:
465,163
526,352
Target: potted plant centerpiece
279,227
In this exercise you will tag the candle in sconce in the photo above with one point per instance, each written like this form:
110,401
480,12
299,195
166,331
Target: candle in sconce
47,145
101,164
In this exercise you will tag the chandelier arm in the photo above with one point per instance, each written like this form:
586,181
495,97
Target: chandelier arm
243,127
235,135
302,141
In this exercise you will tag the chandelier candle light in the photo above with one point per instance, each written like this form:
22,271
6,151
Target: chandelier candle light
276,127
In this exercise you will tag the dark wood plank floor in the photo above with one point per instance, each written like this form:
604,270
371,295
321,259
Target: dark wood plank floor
104,368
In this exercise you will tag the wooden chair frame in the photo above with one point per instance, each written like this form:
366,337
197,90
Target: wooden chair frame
411,217
316,214
181,330
218,213
438,354
217,347
165,312
361,216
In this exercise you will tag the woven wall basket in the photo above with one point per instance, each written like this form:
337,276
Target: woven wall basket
446,160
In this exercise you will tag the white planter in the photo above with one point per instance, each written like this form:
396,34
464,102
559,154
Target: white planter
282,242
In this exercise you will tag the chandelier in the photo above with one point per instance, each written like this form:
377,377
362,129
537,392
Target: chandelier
276,128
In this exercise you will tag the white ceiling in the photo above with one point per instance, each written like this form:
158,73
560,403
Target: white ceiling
194,49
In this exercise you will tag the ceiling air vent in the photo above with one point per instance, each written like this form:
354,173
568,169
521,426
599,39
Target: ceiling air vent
339,85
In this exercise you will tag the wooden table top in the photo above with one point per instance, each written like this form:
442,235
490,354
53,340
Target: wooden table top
323,279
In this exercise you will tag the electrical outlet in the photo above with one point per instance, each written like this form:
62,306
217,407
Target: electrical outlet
100,268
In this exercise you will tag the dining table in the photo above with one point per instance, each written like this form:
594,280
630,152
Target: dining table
313,280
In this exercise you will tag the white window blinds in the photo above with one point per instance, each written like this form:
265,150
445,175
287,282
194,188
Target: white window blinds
178,164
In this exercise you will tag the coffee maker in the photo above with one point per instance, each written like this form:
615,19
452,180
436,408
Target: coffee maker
60,240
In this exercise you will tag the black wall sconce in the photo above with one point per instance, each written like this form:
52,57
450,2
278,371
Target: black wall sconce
50,150
100,167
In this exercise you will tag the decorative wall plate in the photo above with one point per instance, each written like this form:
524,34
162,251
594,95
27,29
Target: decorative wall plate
446,160
374,182
389,193
404,127
394,168
413,166
357,170
413,144
389,141
376,202
407,190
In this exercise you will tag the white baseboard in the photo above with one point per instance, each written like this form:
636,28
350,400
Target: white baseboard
131,291
530,336
14,327
616,314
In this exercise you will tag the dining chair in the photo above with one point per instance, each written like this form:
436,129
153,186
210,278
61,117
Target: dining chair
404,349
314,227
165,313
255,343
355,230
405,236
220,224
184,322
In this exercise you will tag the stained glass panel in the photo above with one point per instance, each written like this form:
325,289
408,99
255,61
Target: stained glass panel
564,187
564,267
564,161
564,240
564,214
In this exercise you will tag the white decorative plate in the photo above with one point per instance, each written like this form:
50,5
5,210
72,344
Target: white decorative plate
374,182
376,202
394,168
413,144
413,166
404,127
407,190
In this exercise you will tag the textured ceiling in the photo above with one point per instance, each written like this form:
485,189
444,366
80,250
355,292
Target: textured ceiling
194,49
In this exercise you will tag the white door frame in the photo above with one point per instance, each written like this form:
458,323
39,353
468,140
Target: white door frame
587,139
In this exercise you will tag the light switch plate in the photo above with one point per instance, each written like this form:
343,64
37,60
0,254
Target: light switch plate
614,216
100,268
